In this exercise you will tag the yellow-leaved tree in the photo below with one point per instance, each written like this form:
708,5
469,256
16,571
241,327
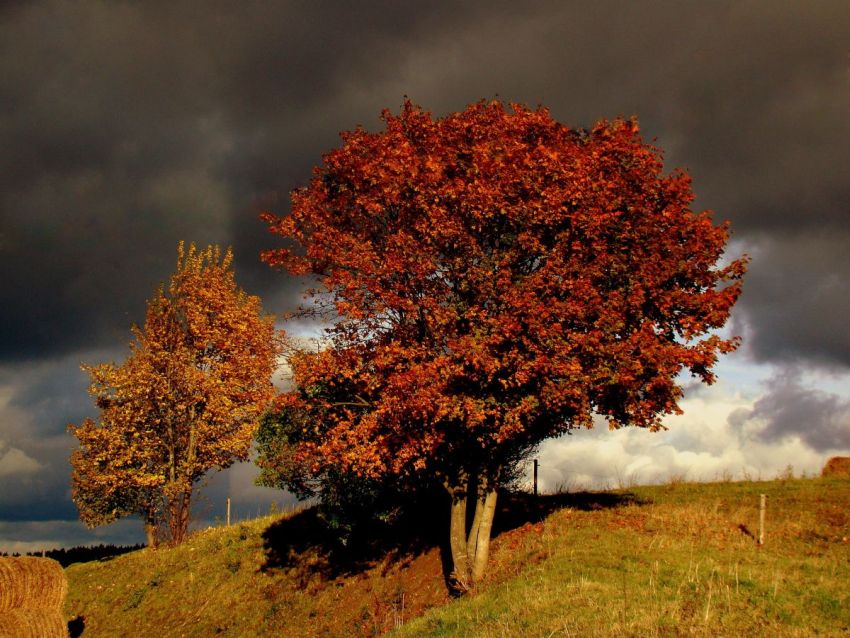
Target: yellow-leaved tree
186,400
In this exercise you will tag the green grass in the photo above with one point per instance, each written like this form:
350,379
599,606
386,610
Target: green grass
187,590
232,581
680,561
674,560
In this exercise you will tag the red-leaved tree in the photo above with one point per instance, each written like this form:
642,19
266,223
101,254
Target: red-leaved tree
497,278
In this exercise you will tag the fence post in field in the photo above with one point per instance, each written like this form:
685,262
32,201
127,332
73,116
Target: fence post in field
535,477
762,508
228,511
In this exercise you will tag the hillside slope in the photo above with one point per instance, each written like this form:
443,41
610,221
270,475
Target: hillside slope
668,560
271,576
681,560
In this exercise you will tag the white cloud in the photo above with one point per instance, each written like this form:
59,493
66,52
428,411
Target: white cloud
793,408
16,461
703,444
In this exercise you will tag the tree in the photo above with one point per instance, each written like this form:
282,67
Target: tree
497,278
349,506
186,400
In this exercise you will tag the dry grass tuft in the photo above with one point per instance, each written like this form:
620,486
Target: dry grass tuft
33,623
31,583
837,466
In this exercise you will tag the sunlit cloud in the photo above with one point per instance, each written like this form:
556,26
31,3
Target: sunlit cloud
15,461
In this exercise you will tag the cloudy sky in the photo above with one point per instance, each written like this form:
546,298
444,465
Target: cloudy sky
126,127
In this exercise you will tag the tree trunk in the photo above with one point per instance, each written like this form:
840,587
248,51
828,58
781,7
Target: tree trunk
150,531
470,548
173,516
487,505
184,513
458,539
178,514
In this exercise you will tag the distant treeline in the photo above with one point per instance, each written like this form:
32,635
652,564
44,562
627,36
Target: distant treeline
66,557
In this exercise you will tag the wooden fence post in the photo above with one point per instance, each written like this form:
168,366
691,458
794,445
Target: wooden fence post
535,477
762,508
228,511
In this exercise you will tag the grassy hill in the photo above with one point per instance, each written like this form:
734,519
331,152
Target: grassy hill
673,560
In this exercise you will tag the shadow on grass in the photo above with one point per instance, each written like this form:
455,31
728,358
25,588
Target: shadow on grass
518,508
306,547
76,627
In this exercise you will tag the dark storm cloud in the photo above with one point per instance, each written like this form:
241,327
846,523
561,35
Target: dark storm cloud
40,493
131,126
134,126
53,394
37,402
790,409
97,188
33,536
797,299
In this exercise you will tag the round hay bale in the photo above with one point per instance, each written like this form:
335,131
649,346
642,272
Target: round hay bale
28,582
33,623
837,466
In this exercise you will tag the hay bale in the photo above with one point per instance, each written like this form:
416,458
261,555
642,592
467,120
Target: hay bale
28,582
837,466
33,623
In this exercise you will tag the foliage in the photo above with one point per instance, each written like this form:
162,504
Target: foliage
348,504
185,401
277,438
497,278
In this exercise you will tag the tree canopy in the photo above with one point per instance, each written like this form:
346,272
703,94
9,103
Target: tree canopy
496,278
186,400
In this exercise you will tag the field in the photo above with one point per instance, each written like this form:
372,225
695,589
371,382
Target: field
672,560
